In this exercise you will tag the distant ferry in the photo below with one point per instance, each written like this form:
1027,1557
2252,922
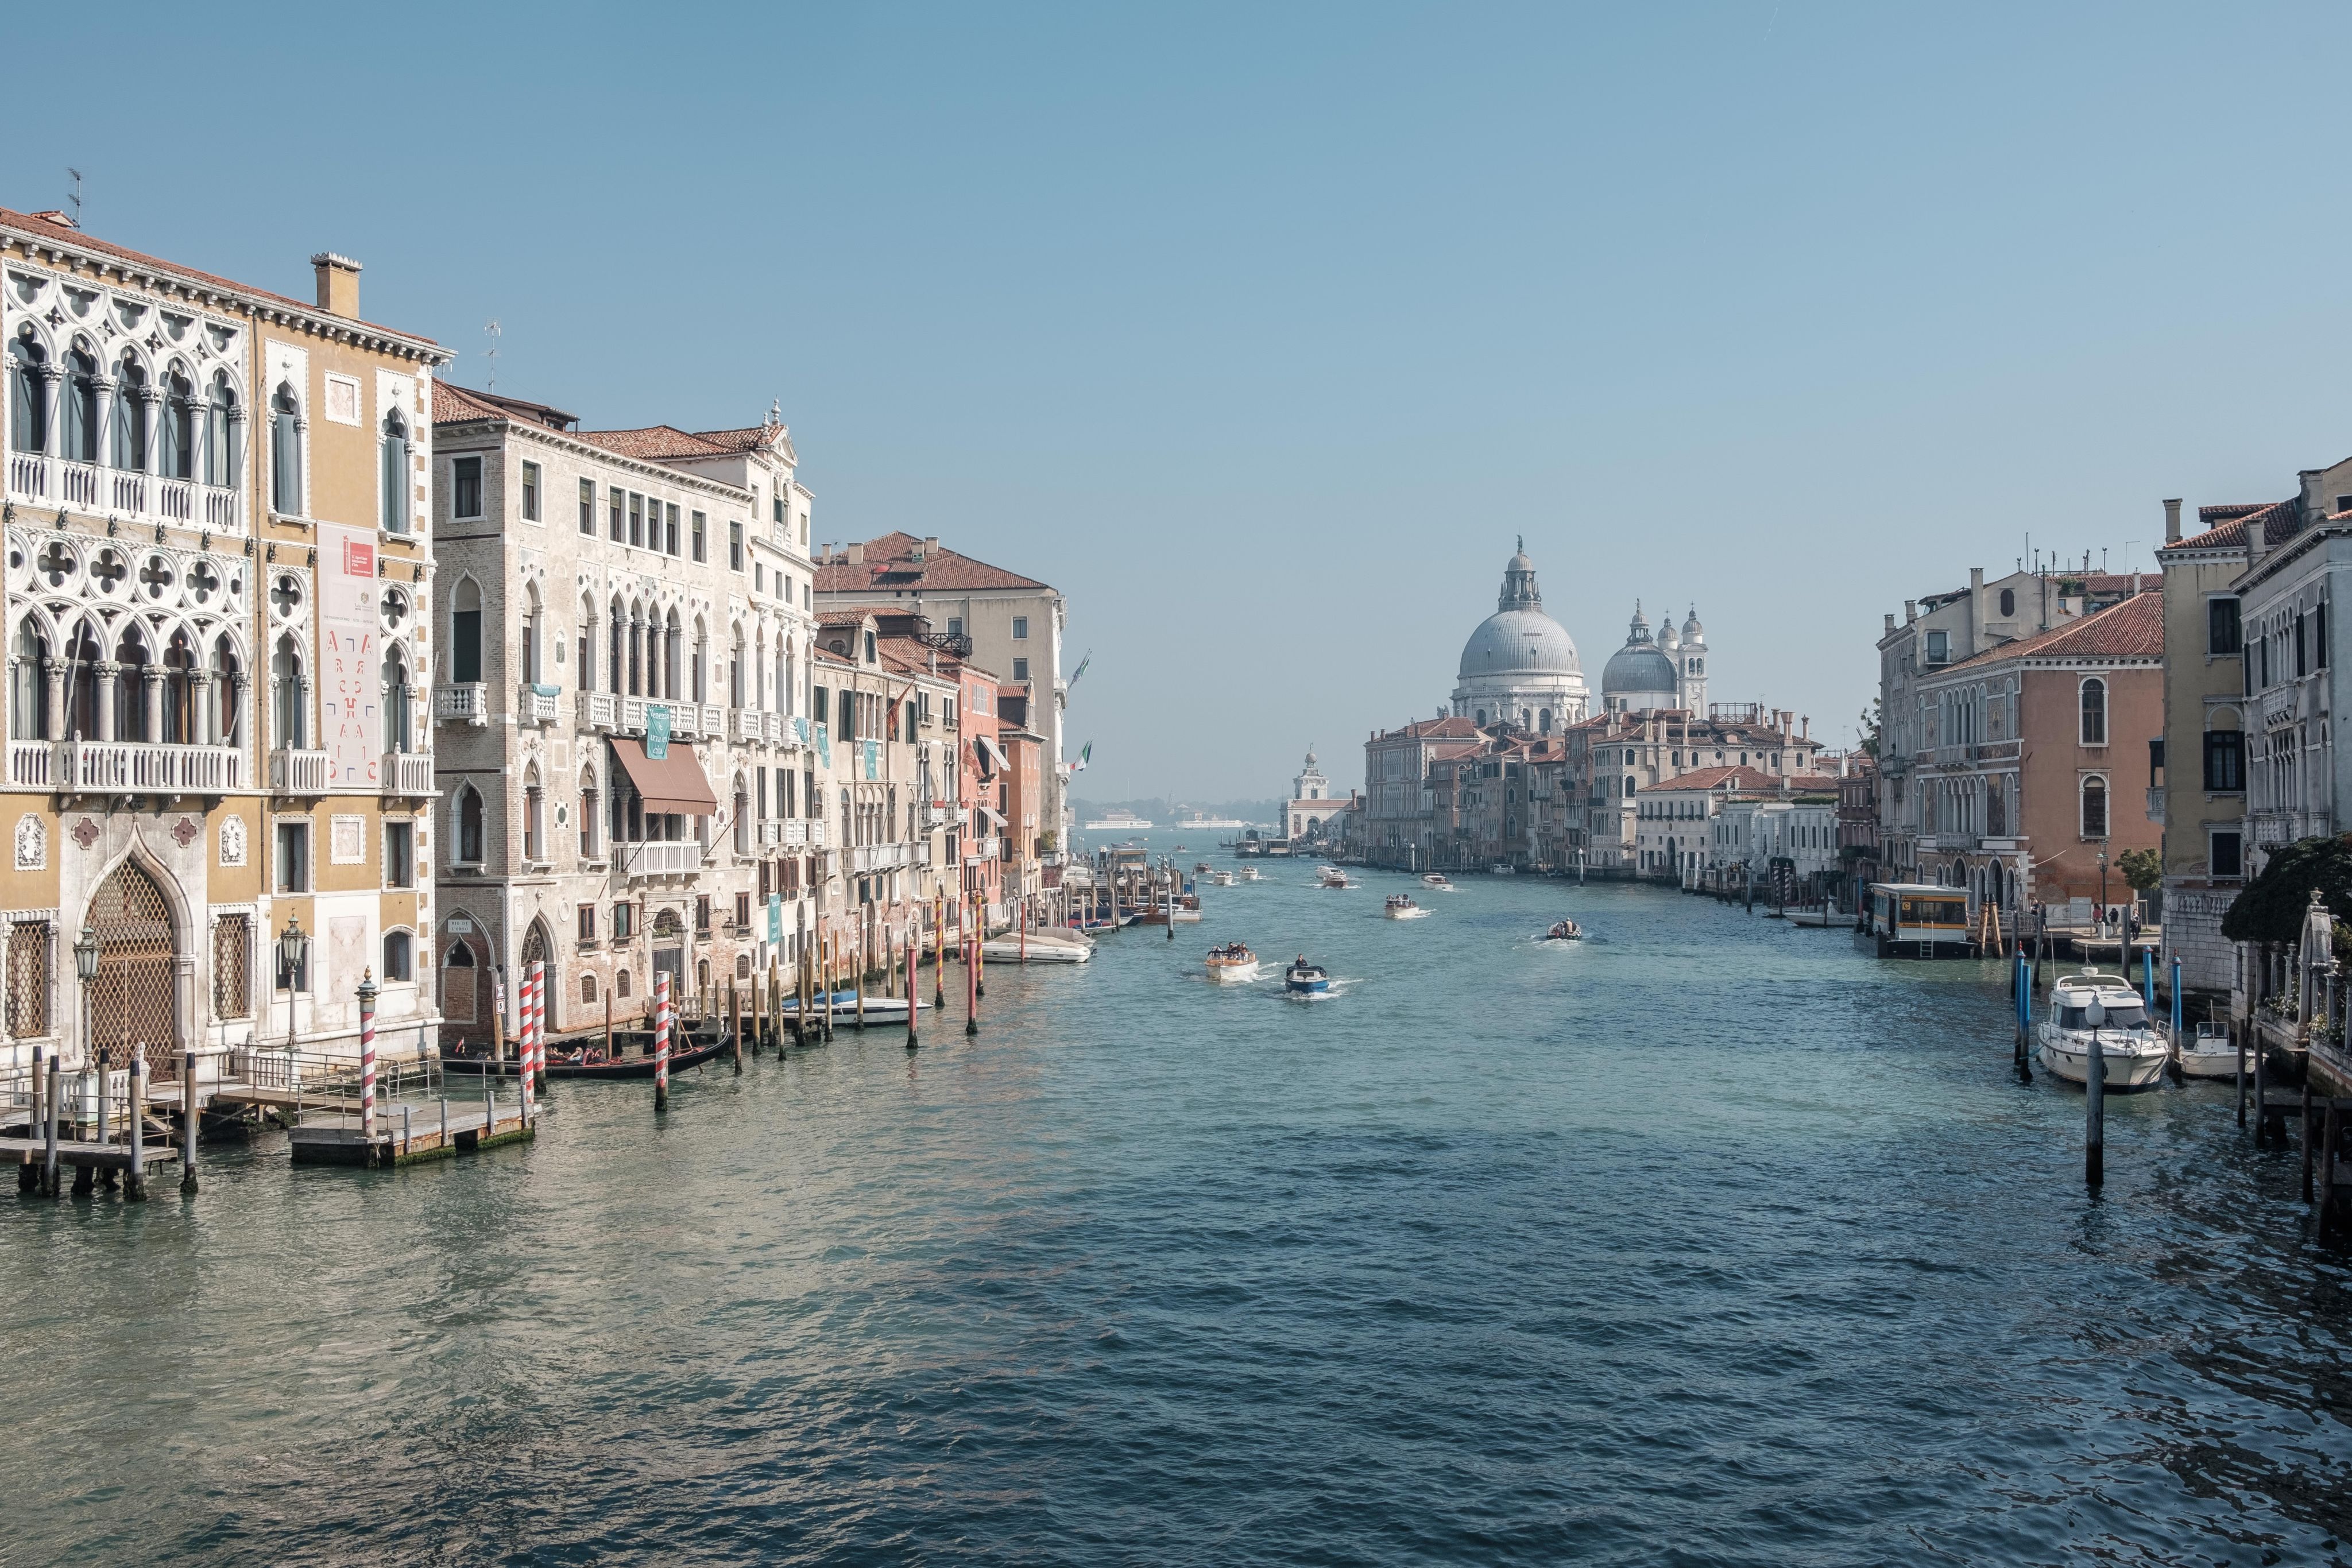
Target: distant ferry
1197,821
1117,822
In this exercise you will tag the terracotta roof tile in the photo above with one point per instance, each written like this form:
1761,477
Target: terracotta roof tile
892,556
1734,777
652,444
2132,630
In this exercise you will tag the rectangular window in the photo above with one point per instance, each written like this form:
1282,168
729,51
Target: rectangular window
955,625
2225,761
399,955
759,577
530,492
2302,665
1020,669
702,912
1019,628
743,909
2226,858
2221,625
293,857
618,501
760,776
1939,648
588,506
465,488
400,855
701,529
735,547
777,501
669,529
587,923
637,518
2319,635
622,916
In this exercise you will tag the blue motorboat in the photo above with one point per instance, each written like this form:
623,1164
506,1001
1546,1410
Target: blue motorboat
1305,979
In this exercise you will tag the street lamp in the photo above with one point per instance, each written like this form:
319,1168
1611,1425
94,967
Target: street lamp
2102,886
293,952
86,955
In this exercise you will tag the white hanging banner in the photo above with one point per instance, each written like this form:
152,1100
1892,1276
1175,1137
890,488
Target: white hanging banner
350,720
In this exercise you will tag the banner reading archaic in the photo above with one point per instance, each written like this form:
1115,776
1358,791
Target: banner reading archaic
350,720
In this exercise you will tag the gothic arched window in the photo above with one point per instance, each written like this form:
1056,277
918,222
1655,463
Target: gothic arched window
179,428
28,393
223,432
81,407
285,692
470,825
393,460
286,452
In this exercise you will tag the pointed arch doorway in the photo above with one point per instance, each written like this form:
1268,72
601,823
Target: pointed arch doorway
133,1002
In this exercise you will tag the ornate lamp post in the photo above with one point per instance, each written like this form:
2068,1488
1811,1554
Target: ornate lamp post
86,955
293,953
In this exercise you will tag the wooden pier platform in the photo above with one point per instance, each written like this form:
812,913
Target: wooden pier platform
336,1140
158,1149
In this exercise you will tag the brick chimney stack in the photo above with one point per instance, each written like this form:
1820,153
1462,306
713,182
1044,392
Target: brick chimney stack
339,283
2172,521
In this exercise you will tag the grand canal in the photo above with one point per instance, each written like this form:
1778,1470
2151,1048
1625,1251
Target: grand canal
1707,1241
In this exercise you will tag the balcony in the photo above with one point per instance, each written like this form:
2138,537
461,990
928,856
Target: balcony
406,773
771,832
187,503
469,702
658,857
796,833
749,727
299,772
129,766
534,703
877,857
32,763
598,710
2278,707
816,832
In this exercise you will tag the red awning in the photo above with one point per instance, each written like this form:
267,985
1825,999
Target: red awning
673,784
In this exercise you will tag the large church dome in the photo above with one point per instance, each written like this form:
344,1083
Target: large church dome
1519,666
1513,640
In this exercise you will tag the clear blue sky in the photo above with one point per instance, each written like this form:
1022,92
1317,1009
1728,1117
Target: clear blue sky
1261,331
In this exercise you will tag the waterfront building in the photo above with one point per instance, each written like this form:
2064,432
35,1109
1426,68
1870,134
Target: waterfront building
2031,762
2297,551
2201,803
1015,625
1617,753
625,757
1857,817
1311,803
1940,631
218,552
1401,823
1519,667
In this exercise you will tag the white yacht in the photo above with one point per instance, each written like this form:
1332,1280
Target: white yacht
1117,819
1401,906
1233,965
1436,881
1041,948
1248,873
2090,1004
1331,876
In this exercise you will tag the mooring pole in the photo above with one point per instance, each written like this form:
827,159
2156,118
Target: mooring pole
49,1183
2095,1115
134,1181
661,1040
188,1116
914,997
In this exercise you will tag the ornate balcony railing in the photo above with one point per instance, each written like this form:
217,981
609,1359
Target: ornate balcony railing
299,772
129,766
406,773
469,702
534,704
750,727
659,857
62,482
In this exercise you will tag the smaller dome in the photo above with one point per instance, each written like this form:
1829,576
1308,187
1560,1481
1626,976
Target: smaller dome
1692,630
1666,638
1638,669
1310,757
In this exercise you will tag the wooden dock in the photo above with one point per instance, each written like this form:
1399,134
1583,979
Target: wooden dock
407,1132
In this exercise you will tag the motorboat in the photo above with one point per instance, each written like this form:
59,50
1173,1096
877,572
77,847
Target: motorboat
1401,906
1331,876
1565,931
2209,1054
1220,879
1305,979
1232,965
1201,869
2091,1007
585,1060
1045,948
1247,873
1502,868
842,1004
1437,882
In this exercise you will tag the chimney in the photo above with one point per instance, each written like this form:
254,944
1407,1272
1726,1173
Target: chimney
1910,610
2172,521
339,283
1890,623
1976,608
857,555
930,545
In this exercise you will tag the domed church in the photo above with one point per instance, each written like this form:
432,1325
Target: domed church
1520,666
1650,673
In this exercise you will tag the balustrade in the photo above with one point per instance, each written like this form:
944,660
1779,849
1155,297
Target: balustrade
137,766
534,705
659,857
406,773
299,772
470,701
189,503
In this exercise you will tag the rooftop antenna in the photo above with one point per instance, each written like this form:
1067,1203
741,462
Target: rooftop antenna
74,196
2128,546
493,331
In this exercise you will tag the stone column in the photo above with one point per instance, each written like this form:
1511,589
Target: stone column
151,399
200,716
102,418
108,670
53,380
53,689
153,676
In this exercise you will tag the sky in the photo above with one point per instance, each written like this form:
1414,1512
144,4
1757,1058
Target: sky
1263,332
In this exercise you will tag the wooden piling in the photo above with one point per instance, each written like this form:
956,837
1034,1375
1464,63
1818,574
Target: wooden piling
865,966
661,1040
608,1023
2308,1131
2238,1036
970,983
914,948
189,1116
2095,1116
134,1180
940,951
2262,1101
49,1158
2326,1164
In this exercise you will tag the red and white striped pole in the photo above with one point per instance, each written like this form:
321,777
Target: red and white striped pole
527,1000
661,1040
367,1062
538,1028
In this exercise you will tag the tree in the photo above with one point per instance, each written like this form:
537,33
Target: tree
2141,868
1869,717
2272,907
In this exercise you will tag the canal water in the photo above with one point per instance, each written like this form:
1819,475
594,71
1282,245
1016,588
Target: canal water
1709,1241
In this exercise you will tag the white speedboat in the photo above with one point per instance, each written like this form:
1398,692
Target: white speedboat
1045,948
1436,881
1502,868
1233,965
1248,873
1331,876
1220,879
2209,1054
1401,906
2102,1007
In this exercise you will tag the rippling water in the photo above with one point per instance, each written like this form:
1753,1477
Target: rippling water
1709,1241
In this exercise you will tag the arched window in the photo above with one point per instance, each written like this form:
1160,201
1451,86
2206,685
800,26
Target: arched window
180,714
673,658
28,689
470,825
224,432
130,416
637,650
588,814
28,393
83,656
131,658
465,632
1481,720
587,672
286,452
527,650
285,692
2095,805
742,818
81,407
618,651
393,460
534,825
395,700
735,670
397,963
701,678
1544,719
2094,712
588,989
2007,602
227,678
621,984
179,428
458,984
